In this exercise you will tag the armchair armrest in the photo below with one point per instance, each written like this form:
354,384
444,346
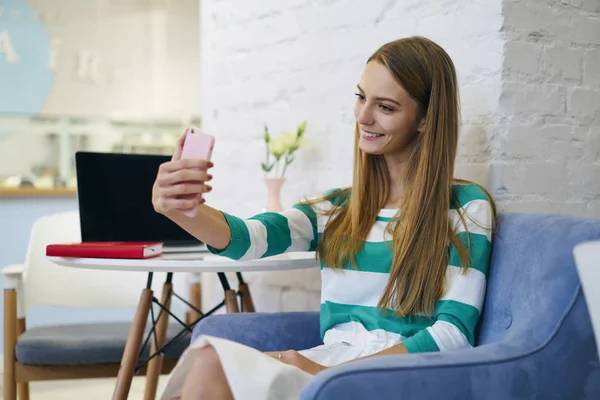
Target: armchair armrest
563,365
265,331
12,275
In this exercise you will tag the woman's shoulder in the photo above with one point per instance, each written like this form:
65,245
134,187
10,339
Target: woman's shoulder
464,192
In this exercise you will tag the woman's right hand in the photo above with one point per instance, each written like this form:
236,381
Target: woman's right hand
179,184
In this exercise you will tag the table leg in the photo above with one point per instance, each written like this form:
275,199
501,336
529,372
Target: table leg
195,299
155,364
134,342
231,301
247,303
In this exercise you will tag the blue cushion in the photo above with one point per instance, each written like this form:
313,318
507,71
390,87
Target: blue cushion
85,344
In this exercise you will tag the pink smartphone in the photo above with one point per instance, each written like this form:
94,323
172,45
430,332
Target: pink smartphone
199,145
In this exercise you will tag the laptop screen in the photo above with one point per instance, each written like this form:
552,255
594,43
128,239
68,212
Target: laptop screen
115,199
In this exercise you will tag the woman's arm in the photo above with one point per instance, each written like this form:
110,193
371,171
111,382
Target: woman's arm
208,225
175,189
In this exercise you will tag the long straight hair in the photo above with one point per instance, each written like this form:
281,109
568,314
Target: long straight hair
422,232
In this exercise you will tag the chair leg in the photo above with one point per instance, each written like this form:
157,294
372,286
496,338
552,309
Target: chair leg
22,387
132,347
155,365
231,302
10,341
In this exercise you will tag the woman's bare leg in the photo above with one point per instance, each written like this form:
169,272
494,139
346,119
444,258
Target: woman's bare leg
206,379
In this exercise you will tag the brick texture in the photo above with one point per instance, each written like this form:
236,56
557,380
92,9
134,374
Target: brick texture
529,75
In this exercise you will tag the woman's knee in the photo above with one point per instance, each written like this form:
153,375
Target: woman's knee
206,357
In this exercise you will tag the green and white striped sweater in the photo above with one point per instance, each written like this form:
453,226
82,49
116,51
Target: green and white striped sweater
351,295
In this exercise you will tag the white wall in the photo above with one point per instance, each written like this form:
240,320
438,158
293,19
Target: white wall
284,61
550,126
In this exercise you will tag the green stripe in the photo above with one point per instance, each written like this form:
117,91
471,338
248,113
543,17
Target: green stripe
371,318
240,239
279,237
374,257
384,219
422,342
312,216
480,251
462,194
461,315
340,199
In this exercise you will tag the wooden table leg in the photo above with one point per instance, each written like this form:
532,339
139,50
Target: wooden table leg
231,302
195,300
155,365
247,303
132,347
22,387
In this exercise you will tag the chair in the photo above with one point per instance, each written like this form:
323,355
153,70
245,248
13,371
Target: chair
535,339
70,351
587,259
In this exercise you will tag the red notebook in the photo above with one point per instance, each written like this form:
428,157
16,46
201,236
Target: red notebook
105,249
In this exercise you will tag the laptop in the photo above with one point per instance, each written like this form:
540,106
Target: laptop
114,192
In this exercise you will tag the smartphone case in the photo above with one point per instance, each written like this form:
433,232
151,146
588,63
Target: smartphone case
198,145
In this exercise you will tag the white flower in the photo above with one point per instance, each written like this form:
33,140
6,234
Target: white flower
289,140
277,147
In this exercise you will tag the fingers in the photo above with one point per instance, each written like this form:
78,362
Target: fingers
184,175
179,147
180,184
187,163
165,204
186,188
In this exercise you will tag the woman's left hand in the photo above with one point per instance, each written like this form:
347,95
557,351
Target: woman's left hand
292,357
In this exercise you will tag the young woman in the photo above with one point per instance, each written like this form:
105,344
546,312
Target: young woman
404,251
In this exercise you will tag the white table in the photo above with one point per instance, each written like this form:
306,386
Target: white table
170,263
192,262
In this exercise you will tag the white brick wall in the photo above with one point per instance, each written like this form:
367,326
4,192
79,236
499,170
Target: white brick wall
529,75
549,107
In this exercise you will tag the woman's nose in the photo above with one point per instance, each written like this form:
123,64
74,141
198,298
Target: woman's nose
364,115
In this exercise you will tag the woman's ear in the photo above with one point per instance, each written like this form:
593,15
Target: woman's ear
422,124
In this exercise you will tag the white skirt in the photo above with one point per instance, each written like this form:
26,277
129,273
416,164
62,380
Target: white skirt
253,375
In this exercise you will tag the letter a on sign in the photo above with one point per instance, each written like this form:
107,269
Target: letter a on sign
6,48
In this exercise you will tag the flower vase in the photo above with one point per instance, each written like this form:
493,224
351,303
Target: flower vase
274,194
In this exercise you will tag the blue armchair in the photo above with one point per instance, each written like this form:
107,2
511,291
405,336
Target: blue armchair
535,339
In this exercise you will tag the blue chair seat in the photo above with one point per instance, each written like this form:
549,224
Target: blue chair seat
85,344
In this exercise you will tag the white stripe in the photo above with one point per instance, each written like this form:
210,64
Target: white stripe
388,212
468,289
475,213
447,336
355,333
258,240
301,231
322,219
378,233
352,287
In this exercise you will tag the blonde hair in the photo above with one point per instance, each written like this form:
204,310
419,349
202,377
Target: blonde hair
422,234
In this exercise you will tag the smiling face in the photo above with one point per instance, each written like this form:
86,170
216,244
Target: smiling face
388,118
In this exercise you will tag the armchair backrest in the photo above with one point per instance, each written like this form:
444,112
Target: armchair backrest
587,258
533,280
46,283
